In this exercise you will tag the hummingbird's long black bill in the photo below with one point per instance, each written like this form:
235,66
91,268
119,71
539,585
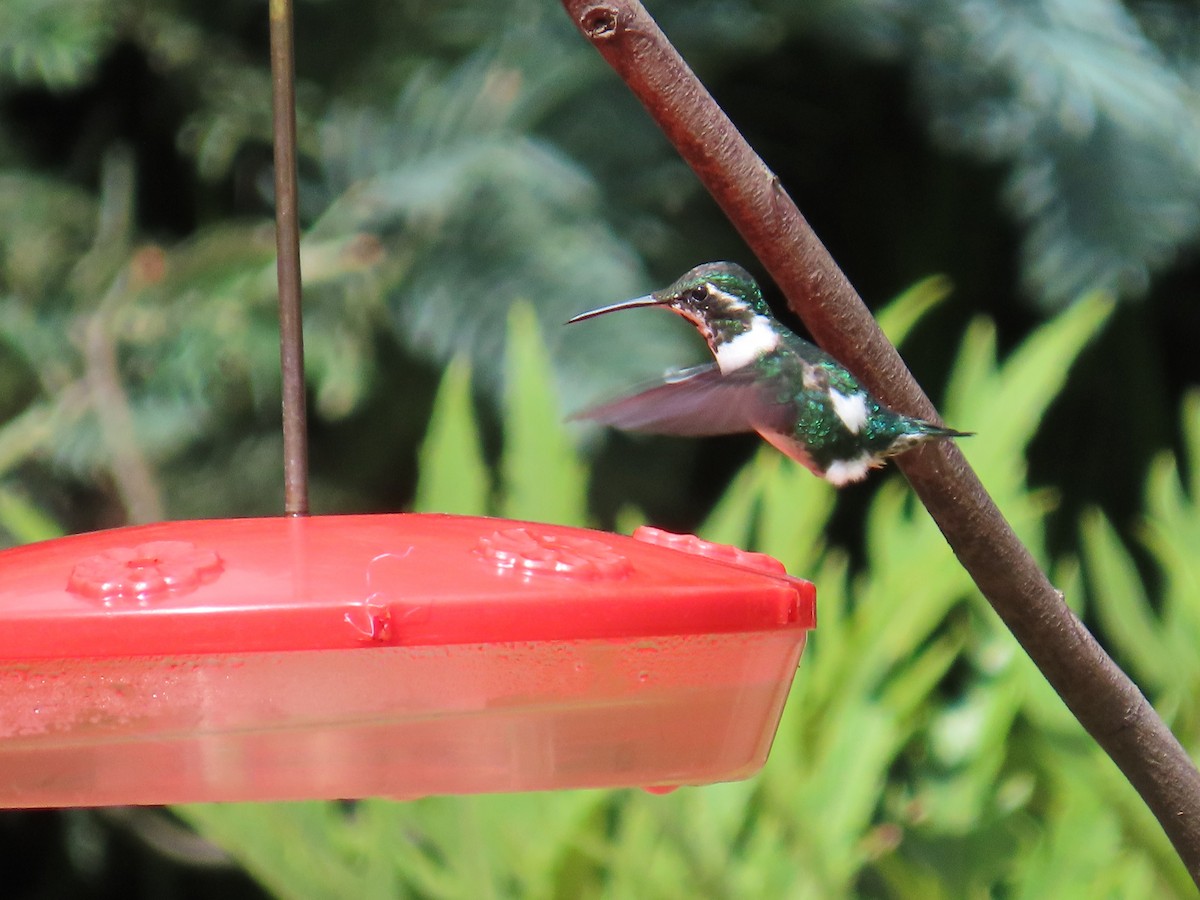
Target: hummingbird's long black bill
648,300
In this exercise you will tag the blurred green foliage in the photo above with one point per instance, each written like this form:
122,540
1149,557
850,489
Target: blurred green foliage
468,181
1089,104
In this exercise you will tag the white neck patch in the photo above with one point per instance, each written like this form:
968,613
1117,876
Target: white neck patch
748,346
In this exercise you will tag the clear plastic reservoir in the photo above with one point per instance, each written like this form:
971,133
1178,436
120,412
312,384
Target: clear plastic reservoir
396,655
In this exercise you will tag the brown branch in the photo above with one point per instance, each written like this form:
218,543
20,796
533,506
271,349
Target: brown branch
132,473
1101,696
102,388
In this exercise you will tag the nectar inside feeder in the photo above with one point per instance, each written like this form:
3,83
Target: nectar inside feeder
395,655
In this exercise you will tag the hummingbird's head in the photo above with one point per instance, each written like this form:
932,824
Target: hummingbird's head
724,303
717,298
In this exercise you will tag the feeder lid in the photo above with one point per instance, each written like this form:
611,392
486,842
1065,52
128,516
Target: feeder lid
325,582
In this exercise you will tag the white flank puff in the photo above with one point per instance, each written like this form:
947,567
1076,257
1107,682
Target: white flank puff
845,471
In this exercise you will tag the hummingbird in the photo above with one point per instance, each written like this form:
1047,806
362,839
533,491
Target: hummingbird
765,378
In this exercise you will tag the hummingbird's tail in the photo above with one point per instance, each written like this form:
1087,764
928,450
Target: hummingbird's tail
938,431
914,432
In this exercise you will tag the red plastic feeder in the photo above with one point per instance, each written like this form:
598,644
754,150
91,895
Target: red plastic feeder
398,655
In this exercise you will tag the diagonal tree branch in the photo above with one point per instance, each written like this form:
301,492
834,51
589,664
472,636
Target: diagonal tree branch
1101,696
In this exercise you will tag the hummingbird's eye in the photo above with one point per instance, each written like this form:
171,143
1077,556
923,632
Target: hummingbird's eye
697,295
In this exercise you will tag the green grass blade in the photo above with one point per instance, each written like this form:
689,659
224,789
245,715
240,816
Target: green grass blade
23,520
544,477
902,314
1122,606
453,473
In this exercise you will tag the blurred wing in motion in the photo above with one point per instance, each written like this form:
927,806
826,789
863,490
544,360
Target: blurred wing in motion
694,402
